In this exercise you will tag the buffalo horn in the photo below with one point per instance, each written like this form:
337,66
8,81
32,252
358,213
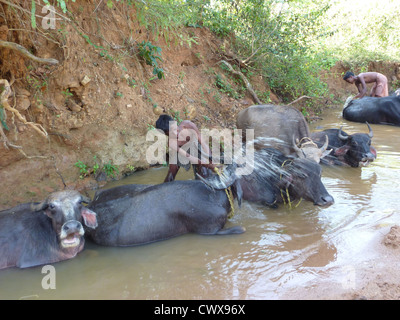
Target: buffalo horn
371,133
342,137
323,148
296,148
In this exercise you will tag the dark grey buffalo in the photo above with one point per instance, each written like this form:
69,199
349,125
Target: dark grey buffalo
348,149
279,127
47,232
385,110
280,179
138,214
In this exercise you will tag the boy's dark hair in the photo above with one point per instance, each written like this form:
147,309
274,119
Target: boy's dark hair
163,122
348,75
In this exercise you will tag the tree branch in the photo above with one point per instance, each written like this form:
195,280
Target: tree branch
246,82
298,99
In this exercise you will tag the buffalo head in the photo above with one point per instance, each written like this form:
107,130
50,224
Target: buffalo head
302,179
306,148
66,211
356,148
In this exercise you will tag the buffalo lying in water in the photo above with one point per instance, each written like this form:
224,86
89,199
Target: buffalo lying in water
138,214
385,110
48,232
280,179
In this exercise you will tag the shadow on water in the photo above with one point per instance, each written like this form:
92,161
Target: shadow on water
281,249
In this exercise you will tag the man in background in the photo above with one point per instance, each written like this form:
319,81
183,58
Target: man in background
379,89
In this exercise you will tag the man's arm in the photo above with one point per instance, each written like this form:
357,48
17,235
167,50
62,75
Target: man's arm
362,88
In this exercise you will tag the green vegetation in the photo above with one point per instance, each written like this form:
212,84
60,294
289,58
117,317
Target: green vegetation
110,169
85,170
67,94
150,54
287,42
226,87
360,31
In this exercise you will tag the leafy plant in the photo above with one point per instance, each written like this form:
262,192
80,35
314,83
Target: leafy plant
83,169
110,169
131,168
131,82
67,94
96,166
150,54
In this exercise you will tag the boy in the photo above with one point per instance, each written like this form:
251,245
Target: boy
185,129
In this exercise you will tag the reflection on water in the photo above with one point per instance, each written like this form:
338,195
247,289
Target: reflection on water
281,249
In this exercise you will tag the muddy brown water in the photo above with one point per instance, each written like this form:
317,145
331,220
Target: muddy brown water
281,252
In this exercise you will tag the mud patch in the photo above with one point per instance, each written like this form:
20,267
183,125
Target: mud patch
392,239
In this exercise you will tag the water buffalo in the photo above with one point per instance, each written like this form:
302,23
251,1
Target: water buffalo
138,214
385,110
280,179
47,232
279,127
352,150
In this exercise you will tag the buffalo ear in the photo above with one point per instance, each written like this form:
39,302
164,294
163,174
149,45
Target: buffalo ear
89,217
342,150
38,206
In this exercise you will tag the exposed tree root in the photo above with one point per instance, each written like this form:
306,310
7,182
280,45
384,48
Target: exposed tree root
4,103
26,53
